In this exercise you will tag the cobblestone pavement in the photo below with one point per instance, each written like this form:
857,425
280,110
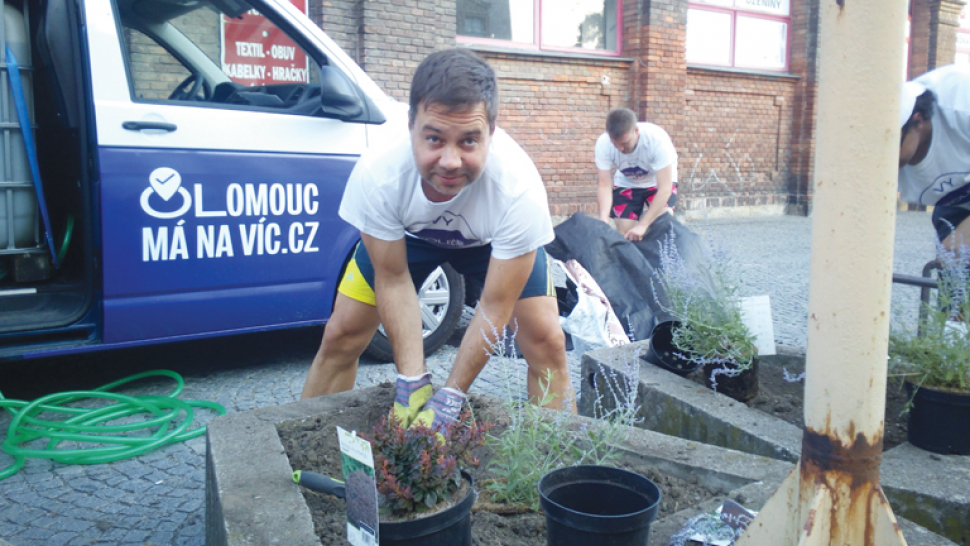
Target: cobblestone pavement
158,498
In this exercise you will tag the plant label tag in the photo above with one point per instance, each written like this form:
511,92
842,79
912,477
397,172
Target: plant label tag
756,314
357,460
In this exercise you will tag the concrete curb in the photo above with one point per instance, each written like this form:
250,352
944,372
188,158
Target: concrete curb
931,490
671,404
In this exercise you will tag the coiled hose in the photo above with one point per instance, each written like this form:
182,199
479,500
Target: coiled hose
167,420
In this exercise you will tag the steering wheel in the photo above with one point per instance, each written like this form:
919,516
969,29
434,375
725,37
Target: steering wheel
180,93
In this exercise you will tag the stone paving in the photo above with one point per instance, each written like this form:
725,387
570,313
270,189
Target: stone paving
158,498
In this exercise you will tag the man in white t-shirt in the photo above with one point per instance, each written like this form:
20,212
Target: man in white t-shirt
458,190
645,161
934,151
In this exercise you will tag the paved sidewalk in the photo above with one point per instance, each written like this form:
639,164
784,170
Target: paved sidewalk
158,498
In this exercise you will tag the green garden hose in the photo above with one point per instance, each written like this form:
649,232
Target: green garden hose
166,421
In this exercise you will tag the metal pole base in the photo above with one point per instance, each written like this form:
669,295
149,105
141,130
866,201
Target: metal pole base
801,513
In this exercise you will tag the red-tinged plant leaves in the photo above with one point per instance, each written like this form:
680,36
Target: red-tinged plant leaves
414,469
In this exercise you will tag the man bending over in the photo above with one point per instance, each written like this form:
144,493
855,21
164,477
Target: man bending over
457,190
644,185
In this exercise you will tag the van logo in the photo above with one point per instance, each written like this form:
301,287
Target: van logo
166,183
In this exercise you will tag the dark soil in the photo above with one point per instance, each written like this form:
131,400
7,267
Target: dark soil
784,400
312,445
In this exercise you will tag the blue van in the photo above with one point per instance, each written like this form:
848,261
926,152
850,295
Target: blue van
181,174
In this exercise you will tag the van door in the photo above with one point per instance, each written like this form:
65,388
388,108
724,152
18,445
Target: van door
220,177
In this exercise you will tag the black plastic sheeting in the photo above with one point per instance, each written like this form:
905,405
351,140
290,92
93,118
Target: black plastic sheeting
626,270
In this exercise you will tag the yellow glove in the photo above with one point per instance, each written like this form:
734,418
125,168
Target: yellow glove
412,394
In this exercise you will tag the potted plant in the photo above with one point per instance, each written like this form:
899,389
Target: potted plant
425,499
936,362
708,329
565,471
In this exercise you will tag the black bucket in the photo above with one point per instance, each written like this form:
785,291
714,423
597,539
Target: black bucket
451,527
939,421
662,351
590,505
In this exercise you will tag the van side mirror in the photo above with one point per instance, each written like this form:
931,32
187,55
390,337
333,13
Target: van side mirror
338,96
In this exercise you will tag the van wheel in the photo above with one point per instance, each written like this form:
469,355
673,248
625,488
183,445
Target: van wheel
441,296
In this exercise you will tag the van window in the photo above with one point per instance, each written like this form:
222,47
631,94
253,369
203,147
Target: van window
208,58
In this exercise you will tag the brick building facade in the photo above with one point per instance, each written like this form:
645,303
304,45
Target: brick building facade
745,138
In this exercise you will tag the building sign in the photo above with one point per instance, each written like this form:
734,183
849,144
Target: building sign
774,7
257,52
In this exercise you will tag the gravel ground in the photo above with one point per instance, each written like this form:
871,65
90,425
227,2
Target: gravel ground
158,498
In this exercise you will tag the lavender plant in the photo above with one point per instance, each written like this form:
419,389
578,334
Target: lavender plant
710,329
536,442
940,356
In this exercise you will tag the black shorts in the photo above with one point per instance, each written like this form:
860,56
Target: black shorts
947,217
629,202
423,258
950,210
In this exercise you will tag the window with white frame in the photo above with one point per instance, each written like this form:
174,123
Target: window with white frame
963,38
588,26
749,34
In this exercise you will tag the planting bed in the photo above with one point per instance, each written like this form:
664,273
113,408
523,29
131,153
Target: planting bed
311,444
784,399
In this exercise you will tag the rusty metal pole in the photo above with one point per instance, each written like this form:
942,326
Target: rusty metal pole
833,496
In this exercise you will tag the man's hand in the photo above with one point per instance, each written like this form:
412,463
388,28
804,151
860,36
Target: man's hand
412,394
636,232
441,410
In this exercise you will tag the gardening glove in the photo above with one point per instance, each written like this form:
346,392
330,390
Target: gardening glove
412,393
442,410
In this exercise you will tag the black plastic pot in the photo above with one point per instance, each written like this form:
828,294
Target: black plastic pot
939,421
452,527
742,387
662,351
590,505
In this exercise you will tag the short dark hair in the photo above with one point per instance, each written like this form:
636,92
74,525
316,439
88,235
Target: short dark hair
924,106
457,79
620,121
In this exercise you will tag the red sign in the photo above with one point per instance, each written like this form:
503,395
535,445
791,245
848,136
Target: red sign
257,52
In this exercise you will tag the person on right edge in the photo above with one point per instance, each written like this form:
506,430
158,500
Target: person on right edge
934,150
644,184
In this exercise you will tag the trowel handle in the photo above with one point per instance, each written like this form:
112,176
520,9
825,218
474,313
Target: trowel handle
320,483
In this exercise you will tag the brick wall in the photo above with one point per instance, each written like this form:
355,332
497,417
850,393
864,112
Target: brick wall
802,61
933,29
661,50
555,107
736,141
399,34
341,20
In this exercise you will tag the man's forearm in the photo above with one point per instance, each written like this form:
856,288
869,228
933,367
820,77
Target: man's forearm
604,197
398,307
504,282
476,347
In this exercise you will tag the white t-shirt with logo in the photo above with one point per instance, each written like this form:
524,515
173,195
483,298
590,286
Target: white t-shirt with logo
946,167
506,206
654,151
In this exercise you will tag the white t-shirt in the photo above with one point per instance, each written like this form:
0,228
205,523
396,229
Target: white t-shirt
654,151
946,166
506,206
